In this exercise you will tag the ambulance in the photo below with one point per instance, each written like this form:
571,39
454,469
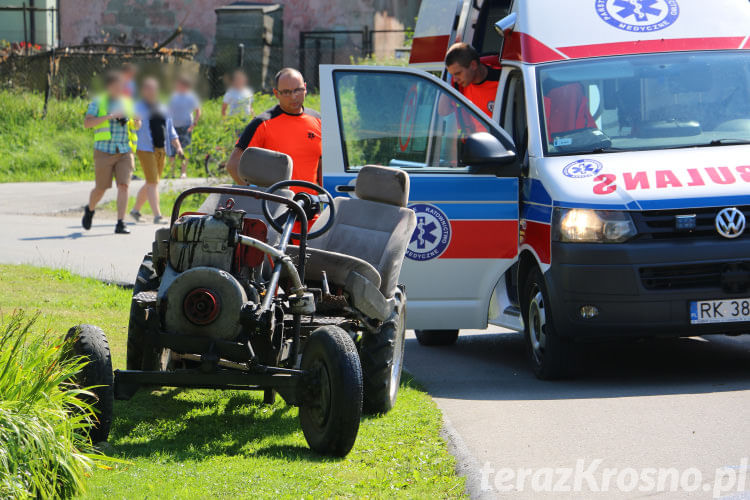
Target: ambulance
606,197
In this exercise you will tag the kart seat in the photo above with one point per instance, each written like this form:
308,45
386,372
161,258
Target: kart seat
364,249
260,168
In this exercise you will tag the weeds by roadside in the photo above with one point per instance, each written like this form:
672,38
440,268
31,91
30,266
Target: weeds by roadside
58,148
44,452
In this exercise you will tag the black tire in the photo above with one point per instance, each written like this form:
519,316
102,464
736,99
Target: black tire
330,412
436,337
382,357
91,342
147,280
552,356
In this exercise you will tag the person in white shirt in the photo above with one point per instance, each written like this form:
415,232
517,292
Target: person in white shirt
238,99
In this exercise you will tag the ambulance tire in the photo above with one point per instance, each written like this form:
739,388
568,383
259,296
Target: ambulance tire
552,356
436,337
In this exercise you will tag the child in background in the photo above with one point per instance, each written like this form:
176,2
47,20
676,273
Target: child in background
238,99
185,111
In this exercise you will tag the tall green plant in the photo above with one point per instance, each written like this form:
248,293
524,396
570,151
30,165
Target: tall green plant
43,449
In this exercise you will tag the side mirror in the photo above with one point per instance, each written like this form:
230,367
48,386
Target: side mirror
483,153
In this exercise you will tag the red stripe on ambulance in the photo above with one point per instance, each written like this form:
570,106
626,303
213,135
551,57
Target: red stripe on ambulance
428,49
647,46
482,239
538,237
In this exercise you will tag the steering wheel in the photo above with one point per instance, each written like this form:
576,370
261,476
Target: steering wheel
308,185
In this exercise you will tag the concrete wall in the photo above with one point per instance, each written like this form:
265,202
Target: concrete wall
153,20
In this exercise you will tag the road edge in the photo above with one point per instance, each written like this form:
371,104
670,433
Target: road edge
466,464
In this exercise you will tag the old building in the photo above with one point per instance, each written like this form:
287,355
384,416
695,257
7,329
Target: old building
151,21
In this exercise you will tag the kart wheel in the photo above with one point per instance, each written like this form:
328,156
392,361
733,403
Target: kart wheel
552,357
436,337
136,359
330,412
91,342
382,356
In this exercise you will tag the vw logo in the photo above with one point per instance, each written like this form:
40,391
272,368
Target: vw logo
730,223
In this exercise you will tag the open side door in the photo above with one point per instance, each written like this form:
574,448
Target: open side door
464,182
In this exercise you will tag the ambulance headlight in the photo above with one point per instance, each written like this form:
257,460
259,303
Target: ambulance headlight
583,225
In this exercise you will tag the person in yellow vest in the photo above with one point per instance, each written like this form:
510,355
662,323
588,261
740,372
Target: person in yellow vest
114,122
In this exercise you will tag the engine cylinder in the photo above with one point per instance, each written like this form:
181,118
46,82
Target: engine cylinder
204,301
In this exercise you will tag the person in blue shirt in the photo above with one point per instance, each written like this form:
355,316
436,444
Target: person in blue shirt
156,132
185,111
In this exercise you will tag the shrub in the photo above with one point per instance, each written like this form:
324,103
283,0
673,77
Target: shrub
43,451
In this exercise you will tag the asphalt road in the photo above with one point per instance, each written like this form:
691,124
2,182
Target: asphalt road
682,403
680,407
40,224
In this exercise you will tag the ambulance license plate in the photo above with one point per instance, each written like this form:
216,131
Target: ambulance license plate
719,311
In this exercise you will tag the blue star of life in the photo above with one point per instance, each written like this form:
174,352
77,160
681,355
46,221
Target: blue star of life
638,15
431,235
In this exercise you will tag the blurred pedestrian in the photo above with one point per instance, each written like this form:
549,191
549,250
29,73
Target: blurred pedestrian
238,99
113,119
185,111
129,72
157,129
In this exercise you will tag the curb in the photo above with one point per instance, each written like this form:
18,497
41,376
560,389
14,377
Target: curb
466,464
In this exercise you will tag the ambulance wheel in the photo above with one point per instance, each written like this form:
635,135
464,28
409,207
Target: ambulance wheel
332,407
436,337
552,357
382,356
90,342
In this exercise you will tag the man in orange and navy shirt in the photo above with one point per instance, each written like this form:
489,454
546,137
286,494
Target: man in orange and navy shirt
288,127
477,81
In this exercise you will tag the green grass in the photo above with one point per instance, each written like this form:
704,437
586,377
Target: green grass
226,444
58,148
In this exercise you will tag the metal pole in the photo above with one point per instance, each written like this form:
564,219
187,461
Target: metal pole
25,32
302,53
32,23
240,55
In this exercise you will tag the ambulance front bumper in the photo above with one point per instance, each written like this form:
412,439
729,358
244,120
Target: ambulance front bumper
644,289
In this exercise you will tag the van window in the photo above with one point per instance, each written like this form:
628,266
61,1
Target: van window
402,120
486,40
514,112
645,102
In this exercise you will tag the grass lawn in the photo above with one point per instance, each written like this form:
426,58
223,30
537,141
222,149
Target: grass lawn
226,444
58,148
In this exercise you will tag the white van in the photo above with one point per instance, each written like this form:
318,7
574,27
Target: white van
606,197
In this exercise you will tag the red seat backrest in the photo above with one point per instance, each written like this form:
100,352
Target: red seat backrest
567,108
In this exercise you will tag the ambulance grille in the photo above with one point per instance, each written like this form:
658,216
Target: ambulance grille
677,277
734,276
661,224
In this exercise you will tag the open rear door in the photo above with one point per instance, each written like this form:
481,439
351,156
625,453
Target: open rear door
467,221
435,31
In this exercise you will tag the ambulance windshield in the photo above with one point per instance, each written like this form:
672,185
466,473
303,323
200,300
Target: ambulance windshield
645,102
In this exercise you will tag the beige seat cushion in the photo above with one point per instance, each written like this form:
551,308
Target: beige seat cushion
336,265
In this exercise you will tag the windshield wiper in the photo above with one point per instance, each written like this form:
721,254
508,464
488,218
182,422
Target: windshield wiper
726,142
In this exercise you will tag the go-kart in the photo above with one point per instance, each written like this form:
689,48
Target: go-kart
225,301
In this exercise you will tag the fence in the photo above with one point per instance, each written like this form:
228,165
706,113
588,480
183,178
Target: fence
345,47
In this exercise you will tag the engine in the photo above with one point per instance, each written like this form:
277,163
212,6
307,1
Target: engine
209,276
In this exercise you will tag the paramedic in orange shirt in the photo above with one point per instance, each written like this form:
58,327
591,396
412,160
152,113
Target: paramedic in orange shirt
477,81
288,127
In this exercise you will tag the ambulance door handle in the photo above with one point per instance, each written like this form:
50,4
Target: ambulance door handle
345,188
